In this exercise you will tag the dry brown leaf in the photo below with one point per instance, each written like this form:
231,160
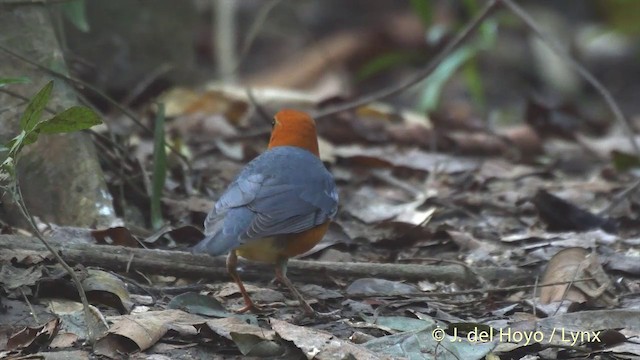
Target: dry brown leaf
201,126
372,206
13,277
225,326
182,101
64,340
566,265
132,333
415,159
33,337
570,265
477,250
115,236
107,289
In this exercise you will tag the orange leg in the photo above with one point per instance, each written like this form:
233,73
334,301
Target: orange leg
232,263
281,274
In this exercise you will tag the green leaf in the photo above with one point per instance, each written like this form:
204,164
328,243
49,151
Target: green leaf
473,79
30,138
76,13
433,86
32,114
623,161
18,80
16,144
159,168
423,10
75,118
7,171
385,62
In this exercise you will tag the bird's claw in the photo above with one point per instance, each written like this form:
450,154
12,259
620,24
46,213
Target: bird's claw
250,308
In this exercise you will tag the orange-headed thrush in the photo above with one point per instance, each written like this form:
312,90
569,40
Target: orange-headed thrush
279,206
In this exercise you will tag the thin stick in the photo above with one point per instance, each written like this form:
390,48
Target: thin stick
479,277
255,27
74,277
462,36
33,311
560,51
618,198
145,83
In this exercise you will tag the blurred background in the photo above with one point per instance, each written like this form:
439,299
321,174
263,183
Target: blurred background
345,49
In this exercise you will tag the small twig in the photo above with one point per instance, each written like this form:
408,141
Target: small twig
145,83
481,280
560,51
462,36
255,27
129,263
387,177
618,198
74,277
535,291
566,289
31,309
136,284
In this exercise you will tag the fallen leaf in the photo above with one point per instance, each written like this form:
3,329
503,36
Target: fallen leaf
570,265
198,304
226,326
119,235
370,206
12,277
133,333
105,288
30,339
320,345
415,159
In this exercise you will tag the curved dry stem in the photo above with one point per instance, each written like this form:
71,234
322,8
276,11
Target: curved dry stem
83,296
463,35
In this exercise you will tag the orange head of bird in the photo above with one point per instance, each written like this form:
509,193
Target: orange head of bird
294,128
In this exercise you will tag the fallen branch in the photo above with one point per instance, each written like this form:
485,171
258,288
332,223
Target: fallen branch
184,264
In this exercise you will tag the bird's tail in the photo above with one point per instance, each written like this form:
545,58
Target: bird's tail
215,244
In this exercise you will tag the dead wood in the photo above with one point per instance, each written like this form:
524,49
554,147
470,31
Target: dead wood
184,264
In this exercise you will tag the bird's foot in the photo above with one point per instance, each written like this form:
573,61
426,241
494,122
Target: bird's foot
250,307
309,313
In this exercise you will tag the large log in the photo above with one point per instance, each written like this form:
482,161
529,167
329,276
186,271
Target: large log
184,264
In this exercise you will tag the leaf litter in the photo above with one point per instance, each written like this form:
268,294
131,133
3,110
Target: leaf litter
482,199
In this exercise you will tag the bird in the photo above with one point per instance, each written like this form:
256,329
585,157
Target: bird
280,205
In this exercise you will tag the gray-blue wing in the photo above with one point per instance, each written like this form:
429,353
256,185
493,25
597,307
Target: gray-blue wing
262,203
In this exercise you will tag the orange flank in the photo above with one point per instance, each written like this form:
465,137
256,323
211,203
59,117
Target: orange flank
269,250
